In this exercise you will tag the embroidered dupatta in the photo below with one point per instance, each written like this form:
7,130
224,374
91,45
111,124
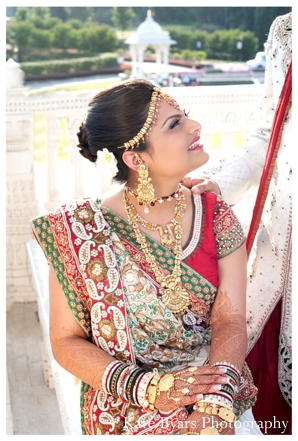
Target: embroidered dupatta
115,300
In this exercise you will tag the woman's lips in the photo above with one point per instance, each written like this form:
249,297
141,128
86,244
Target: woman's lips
196,144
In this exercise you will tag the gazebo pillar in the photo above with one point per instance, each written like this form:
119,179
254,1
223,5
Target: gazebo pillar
132,50
165,50
141,49
158,55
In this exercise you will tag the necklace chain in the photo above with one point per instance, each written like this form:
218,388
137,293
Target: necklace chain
174,296
166,234
160,199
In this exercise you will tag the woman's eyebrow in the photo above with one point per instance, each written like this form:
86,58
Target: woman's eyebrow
177,115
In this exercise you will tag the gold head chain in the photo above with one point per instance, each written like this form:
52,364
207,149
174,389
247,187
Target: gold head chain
157,94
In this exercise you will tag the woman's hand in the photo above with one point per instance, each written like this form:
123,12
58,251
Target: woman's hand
186,386
208,424
200,185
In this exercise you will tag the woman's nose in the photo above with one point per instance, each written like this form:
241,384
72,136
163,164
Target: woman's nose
196,127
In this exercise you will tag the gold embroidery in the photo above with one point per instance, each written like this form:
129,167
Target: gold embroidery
97,269
107,329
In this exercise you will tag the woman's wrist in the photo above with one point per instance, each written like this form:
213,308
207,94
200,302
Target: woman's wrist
221,403
128,382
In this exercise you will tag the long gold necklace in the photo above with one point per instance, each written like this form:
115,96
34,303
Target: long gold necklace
175,297
166,234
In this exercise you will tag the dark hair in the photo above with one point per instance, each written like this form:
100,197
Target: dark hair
115,116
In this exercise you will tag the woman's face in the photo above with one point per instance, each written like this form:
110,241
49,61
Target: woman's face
175,146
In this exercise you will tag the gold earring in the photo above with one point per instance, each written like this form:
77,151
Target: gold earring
145,190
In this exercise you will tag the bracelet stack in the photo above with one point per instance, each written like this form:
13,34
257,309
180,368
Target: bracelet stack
153,390
128,382
221,403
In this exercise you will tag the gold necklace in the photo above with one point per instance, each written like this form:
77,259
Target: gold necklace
175,297
166,234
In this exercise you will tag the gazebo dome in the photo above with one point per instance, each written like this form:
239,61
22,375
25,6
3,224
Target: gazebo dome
149,26
150,32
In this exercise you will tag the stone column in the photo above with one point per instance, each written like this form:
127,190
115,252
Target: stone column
132,50
21,203
53,172
158,58
165,50
140,51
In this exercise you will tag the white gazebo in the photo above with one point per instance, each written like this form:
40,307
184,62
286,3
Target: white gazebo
149,33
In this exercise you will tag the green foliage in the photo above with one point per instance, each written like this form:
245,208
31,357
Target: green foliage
69,66
99,38
41,38
87,30
123,17
22,14
64,36
20,35
221,44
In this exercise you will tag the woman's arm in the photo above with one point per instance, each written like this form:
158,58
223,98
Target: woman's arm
70,347
228,317
229,340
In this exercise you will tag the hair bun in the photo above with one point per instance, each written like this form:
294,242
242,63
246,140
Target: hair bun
83,144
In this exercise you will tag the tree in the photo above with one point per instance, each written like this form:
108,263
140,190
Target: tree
63,36
263,19
60,12
22,14
97,39
20,36
123,17
41,18
85,14
41,39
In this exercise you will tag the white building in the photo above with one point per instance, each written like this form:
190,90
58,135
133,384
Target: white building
149,33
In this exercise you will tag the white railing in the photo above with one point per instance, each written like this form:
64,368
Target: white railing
33,188
223,111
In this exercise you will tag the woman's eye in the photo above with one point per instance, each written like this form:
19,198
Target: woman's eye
186,114
175,123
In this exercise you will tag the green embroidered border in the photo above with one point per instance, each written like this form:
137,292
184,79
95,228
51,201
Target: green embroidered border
43,233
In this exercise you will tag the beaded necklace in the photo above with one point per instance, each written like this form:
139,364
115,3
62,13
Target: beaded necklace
166,234
160,199
174,296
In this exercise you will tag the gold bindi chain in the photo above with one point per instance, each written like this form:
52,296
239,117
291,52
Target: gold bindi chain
175,297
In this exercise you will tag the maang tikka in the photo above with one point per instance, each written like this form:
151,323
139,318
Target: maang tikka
145,190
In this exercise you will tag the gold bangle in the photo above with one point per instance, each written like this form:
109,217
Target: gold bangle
156,379
152,396
221,411
209,431
152,390
216,402
227,415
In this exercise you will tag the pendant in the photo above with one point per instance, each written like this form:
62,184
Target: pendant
176,298
167,239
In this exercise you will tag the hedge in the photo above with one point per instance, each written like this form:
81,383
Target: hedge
69,66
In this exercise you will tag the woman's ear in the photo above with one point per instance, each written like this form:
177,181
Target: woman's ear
132,160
